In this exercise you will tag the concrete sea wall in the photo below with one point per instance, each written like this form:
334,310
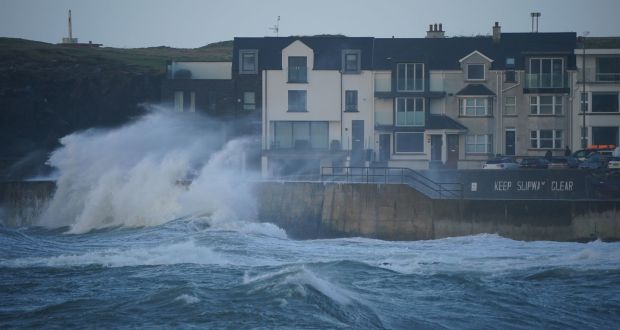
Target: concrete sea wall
21,202
398,212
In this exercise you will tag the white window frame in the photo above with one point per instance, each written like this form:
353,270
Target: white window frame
485,106
407,67
415,110
556,139
407,152
484,140
484,73
508,105
556,101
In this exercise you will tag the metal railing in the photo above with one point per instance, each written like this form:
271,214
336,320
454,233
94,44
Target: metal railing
393,175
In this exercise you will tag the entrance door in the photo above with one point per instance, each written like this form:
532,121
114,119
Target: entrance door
453,151
357,144
436,144
384,147
511,141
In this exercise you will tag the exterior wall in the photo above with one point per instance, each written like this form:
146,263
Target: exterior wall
204,89
592,86
204,70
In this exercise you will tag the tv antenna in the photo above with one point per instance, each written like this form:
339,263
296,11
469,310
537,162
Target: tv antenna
276,28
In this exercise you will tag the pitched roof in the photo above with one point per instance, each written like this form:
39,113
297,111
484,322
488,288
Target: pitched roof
443,122
475,89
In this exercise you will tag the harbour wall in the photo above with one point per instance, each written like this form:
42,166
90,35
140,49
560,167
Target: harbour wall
397,212
308,210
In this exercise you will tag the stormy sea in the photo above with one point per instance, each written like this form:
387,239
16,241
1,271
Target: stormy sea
124,244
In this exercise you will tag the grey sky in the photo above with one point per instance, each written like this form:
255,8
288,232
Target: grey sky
194,23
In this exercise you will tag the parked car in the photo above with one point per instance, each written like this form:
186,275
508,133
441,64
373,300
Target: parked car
534,163
594,162
605,150
562,162
501,164
613,163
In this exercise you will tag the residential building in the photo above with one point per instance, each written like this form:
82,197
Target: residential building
421,103
596,119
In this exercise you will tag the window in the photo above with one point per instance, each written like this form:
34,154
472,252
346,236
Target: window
510,105
178,101
604,102
410,77
475,71
248,61
409,111
184,101
584,102
351,61
212,101
350,101
479,144
510,76
605,135
409,142
510,61
475,106
546,73
297,69
545,105
608,69
249,101
300,135
297,101
546,139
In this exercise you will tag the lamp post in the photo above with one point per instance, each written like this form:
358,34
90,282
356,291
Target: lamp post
583,92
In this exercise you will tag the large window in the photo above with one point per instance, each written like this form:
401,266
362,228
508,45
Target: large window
608,69
479,143
510,105
297,101
605,135
546,105
184,101
350,101
409,142
297,69
546,139
605,102
475,71
249,101
248,61
351,61
410,77
300,135
546,73
475,106
409,111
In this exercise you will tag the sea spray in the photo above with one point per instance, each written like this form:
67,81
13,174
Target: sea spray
130,176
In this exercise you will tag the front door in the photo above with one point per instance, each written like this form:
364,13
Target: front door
453,151
511,142
357,144
384,147
436,144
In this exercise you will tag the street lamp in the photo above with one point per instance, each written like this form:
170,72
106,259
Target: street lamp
583,92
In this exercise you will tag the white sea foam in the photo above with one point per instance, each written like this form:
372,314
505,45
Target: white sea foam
187,299
130,176
177,253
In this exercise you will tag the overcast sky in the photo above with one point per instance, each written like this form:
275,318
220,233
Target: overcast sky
194,23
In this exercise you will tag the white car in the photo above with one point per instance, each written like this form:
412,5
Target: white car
614,163
501,164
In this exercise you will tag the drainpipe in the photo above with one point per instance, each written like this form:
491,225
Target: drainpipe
500,118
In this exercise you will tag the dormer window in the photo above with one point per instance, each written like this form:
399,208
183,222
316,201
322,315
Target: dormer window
248,61
410,77
297,69
475,71
351,61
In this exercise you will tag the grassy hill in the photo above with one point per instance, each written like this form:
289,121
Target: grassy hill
48,91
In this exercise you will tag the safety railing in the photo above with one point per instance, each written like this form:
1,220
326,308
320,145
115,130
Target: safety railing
393,175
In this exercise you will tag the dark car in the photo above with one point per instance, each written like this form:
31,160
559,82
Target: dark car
562,162
594,162
534,163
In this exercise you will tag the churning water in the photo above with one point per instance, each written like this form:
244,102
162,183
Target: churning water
123,245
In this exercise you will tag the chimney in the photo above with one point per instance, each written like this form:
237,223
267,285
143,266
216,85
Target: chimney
435,31
497,32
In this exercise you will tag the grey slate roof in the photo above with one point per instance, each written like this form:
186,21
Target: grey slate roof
443,122
475,89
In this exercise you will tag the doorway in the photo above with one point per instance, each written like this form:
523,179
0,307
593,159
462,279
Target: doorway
511,142
384,147
357,143
453,151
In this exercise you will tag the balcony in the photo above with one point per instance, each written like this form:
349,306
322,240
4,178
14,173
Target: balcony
594,77
546,82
